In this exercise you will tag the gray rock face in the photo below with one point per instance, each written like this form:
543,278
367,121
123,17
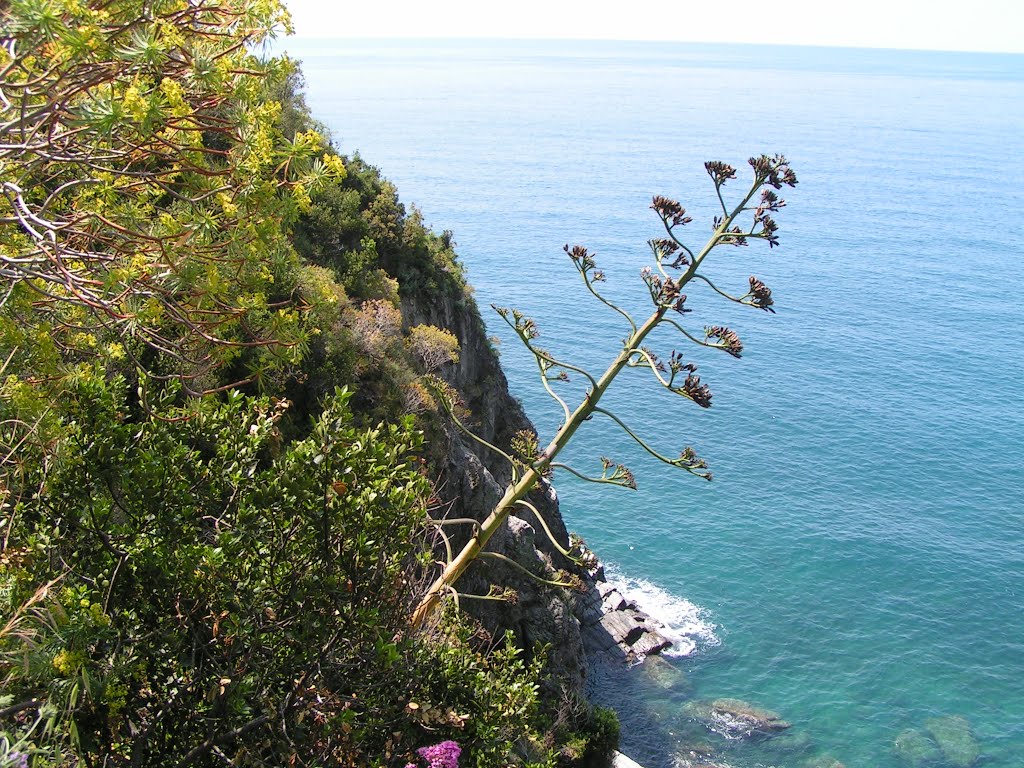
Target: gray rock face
471,479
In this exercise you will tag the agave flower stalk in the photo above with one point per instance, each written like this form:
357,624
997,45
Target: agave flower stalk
670,253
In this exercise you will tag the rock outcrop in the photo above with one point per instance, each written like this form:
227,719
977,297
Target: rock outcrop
614,625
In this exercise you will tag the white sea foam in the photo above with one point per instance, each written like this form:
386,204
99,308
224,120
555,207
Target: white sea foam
681,621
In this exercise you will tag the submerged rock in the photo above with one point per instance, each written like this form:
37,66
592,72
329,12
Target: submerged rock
793,745
953,735
736,719
824,761
914,748
664,674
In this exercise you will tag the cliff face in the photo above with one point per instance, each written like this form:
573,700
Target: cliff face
473,479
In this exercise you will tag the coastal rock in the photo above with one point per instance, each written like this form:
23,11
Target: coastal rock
650,642
623,627
915,749
521,539
588,607
619,628
736,719
597,641
611,600
610,624
953,735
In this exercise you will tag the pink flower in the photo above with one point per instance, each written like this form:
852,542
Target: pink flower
443,755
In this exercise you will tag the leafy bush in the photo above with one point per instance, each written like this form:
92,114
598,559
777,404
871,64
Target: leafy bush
602,737
146,185
212,587
433,347
191,580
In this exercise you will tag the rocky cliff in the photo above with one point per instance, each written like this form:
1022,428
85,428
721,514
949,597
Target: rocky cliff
471,479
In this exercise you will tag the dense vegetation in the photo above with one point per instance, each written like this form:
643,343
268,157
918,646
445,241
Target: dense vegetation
211,415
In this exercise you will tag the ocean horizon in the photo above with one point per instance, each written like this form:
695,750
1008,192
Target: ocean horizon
857,565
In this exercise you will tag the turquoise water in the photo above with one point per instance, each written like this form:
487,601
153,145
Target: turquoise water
858,563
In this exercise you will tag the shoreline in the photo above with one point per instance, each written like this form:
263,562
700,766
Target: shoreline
614,626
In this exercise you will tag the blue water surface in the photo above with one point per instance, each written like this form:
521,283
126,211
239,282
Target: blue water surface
860,552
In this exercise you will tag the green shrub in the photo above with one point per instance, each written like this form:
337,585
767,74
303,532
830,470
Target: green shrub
214,588
602,737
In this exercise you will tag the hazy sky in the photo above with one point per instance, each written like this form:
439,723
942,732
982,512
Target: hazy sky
970,25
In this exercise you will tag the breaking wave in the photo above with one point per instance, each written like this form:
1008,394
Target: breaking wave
682,622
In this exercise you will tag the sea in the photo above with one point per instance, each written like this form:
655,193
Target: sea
857,563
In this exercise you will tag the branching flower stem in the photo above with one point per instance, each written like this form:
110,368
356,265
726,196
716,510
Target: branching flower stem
772,171
588,478
636,438
691,337
546,382
525,571
719,291
551,537
590,287
518,490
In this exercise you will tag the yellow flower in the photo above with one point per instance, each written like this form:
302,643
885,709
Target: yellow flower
68,662
134,103
335,165
226,204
